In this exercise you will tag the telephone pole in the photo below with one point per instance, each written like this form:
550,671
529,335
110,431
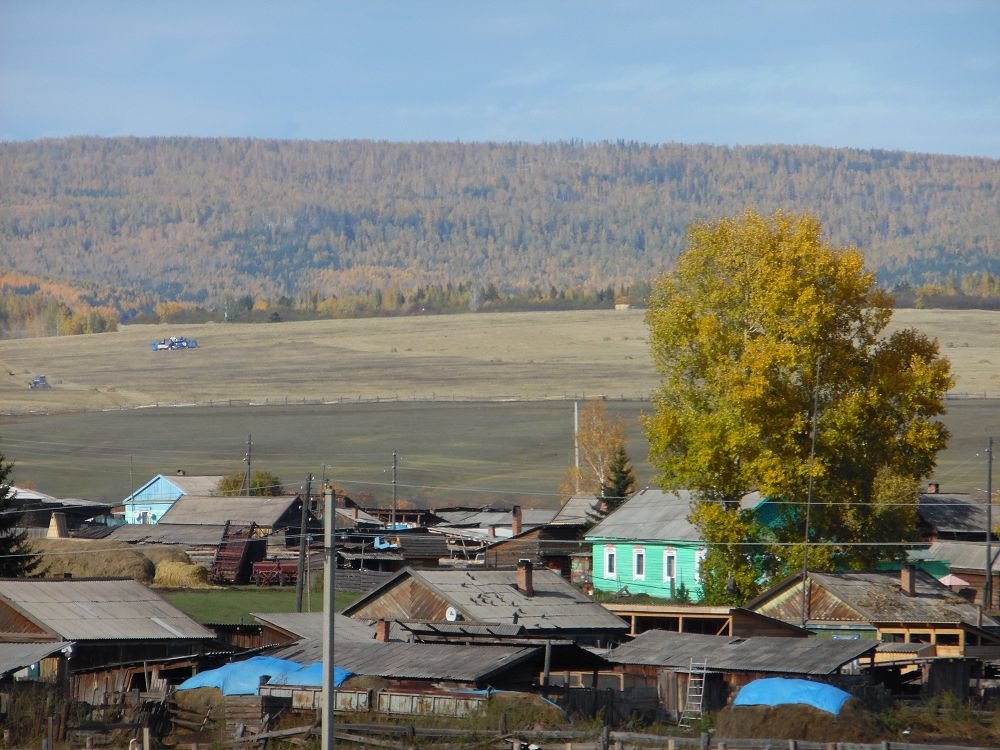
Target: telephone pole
300,575
988,586
809,493
248,459
394,490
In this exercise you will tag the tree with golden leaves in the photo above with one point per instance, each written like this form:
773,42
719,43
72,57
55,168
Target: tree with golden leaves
760,322
604,464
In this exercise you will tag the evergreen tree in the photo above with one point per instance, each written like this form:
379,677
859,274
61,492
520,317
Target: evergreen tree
620,482
16,557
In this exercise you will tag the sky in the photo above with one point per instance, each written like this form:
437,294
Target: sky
907,75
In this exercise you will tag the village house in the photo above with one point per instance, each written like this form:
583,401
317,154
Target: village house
961,567
723,664
123,635
147,504
894,607
648,546
951,516
541,602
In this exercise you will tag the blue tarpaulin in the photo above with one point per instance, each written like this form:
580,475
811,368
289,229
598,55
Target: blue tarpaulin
777,691
244,677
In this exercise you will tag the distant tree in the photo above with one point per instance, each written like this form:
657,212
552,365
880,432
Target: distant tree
17,560
261,483
598,439
620,482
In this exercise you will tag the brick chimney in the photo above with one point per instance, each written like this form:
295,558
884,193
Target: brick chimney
933,488
908,580
491,531
515,524
524,583
382,631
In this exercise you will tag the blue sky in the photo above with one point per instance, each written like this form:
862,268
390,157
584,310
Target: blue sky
912,76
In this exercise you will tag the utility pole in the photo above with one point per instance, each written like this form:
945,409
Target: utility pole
988,587
393,524
329,741
248,459
576,445
809,493
300,575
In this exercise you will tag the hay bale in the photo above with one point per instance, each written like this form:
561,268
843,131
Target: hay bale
181,575
89,559
854,723
162,553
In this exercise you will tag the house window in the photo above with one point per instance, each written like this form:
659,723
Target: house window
639,563
609,562
699,558
669,564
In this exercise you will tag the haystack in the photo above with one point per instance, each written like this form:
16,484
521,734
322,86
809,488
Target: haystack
181,575
854,723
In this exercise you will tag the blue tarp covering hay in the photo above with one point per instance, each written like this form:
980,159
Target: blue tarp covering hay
778,691
243,677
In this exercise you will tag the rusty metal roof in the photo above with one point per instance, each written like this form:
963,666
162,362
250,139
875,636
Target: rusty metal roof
780,655
80,609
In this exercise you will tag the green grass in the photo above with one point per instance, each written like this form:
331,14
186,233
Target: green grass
234,604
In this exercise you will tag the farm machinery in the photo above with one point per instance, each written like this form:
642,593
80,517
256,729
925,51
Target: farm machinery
173,343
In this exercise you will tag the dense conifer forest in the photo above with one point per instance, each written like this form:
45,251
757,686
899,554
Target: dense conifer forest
361,227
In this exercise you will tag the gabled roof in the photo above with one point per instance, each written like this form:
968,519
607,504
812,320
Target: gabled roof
812,656
953,514
80,609
309,625
656,516
216,510
876,597
179,484
965,555
577,511
485,517
650,515
492,596
349,518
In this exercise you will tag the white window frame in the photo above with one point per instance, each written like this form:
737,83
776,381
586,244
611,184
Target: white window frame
699,558
669,570
610,562
638,553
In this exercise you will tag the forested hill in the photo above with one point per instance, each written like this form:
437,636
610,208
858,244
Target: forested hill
199,219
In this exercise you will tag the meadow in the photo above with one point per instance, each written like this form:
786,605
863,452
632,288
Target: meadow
478,407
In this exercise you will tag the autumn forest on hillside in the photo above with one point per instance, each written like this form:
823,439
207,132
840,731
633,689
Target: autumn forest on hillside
101,231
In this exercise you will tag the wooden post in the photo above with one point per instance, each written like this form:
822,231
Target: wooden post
408,738
721,745
705,741
793,745
671,744
605,737
147,740
503,723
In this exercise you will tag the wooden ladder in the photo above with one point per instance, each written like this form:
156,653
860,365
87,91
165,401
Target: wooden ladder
695,694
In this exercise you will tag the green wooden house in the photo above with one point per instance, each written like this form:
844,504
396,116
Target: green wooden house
648,546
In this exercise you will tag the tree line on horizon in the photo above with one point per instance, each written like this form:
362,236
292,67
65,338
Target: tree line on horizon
368,227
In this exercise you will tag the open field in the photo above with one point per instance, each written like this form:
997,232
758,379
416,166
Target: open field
234,604
476,442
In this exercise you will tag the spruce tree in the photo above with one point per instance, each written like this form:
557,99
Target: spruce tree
17,559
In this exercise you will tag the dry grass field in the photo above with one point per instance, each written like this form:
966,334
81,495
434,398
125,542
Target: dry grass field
476,405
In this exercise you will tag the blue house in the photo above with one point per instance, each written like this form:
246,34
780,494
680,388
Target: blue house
648,546
148,503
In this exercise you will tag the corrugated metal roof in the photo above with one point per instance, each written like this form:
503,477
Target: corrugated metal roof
195,485
650,515
168,533
656,516
966,555
953,514
577,511
486,518
493,596
216,510
81,609
879,598
812,656
309,625
428,661
15,656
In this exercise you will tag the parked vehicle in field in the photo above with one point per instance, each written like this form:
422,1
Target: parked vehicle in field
39,381
173,343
